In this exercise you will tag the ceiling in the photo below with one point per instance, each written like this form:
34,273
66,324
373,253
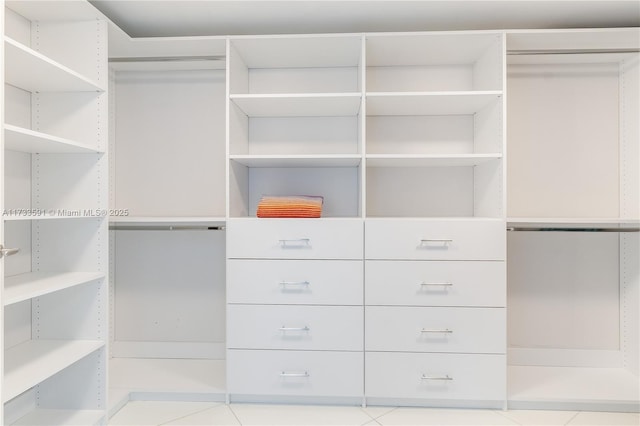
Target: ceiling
166,18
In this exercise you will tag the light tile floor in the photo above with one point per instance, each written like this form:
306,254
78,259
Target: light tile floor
141,413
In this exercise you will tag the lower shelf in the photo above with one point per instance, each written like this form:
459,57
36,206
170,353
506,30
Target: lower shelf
573,388
34,361
62,417
167,376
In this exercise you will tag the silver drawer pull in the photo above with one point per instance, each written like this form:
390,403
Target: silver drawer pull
431,330
443,284
296,243
284,329
294,374
294,283
444,241
425,377
7,251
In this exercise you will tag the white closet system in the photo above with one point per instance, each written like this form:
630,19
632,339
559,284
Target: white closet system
427,148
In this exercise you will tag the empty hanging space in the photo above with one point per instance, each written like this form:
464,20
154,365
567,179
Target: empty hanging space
434,105
573,272
294,121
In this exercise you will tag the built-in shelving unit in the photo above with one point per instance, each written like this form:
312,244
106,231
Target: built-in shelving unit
580,241
54,140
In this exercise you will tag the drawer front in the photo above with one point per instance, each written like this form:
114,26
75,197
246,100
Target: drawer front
468,330
435,239
435,376
295,238
284,282
435,283
295,327
295,373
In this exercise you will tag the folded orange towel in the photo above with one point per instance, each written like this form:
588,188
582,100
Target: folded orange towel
290,206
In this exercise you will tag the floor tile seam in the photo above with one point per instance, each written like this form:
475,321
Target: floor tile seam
190,414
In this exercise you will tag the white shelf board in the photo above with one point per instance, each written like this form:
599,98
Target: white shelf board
297,160
26,140
22,287
34,361
572,385
167,220
46,417
202,376
32,71
429,103
411,160
571,222
299,104
55,10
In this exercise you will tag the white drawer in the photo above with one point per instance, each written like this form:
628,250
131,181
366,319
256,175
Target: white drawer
435,283
424,239
295,327
295,238
436,376
467,330
295,373
284,282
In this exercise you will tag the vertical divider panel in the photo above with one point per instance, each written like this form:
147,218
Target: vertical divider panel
487,70
2,206
362,128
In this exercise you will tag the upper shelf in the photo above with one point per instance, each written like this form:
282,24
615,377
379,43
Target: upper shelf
429,103
299,105
26,140
32,71
412,160
570,222
337,160
23,287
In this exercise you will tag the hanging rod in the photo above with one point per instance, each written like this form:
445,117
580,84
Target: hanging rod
570,51
558,229
166,228
169,59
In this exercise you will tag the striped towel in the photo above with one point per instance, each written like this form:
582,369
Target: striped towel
290,206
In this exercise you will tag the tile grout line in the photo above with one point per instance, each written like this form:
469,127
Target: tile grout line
190,414
234,414
506,417
573,417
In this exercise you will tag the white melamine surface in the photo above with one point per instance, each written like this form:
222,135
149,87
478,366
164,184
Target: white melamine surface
295,238
297,160
26,286
303,282
151,221
437,239
442,160
35,72
168,375
299,105
434,283
429,103
435,329
46,417
399,375
30,363
26,140
316,373
295,327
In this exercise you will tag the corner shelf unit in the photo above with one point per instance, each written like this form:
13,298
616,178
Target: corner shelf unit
54,290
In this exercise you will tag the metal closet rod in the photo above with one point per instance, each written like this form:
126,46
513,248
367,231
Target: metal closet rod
558,229
570,51
168,59
166,228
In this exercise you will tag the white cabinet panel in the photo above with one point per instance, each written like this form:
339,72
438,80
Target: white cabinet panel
294,238
336,374
435,376
435,283
479,330
435,239
295,327
306,282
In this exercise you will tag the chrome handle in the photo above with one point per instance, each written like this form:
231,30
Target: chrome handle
305,328
444,241
425,377
295,243
7,251
427,330
294,374
294,283
443,284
